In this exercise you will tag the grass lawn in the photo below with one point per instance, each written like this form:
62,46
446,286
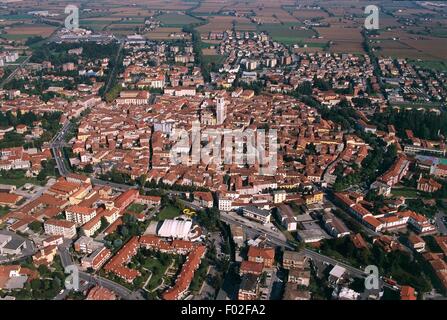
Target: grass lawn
157,269
18,182
169,212
3,211
135,207
405,192
216,59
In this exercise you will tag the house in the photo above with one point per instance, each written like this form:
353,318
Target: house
45,256
287,217
97,258
205,199
249,287
416,243
56,227
266,256
279,196
79,215
407,293
15,276
428,185
337,274
334,226
100,293
259,215
9,199
293,259
251,267
358,241
294,291
299,276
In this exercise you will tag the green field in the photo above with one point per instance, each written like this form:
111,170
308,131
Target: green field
15,17
176,19
135,207
16,36
168,212
432,65
216,59
284,34
405,192
4,210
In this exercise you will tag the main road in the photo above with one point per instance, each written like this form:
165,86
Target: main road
14,72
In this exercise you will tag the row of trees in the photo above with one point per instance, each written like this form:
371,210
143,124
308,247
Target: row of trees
425,125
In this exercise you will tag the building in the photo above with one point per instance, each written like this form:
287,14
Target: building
64,228
249,287
279,196
220,110
96,259
205,199
225,204
175,228
299,276
259,215
293,291
255,268
266,256
428,185
416,243
293,259
100,293
287,217
407,293
186,275
334,226
133,97
79,215
87,245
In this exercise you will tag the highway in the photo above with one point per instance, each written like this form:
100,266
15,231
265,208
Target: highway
14,72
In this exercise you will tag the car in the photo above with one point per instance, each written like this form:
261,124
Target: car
62,291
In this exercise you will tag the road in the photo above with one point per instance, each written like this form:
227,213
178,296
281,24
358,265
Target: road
439,223
352,270
121,291
56,144
112,73
14,72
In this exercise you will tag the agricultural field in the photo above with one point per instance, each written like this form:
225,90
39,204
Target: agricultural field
309,14
176,19
289,34
25,31
343,39
164,33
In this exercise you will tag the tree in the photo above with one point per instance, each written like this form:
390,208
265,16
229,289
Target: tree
36,226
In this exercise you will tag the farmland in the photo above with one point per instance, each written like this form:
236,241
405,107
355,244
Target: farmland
176,19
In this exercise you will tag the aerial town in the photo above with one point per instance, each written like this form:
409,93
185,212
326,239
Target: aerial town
189,150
